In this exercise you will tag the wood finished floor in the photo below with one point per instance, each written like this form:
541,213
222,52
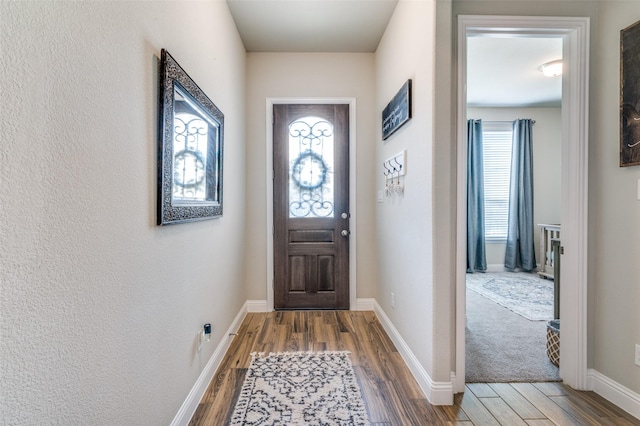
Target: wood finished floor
390,392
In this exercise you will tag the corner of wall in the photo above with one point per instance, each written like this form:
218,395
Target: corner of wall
190,405
438,393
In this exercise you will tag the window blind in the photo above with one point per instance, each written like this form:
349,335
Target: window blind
496,140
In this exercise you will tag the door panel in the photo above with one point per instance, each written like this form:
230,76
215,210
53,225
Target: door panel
311,201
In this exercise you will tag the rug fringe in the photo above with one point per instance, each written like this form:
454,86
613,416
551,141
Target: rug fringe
296,353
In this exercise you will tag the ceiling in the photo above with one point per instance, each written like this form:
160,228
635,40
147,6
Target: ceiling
502,72
311,25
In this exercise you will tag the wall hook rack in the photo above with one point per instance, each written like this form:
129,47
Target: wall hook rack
394,168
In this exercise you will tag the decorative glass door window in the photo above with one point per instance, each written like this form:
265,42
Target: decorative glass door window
311,189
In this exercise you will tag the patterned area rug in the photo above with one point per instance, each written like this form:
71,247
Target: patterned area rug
300,388
525,294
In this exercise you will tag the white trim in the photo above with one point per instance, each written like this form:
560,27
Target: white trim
614,392
189,406
363,304
575,229
575,32
270,102
438,393
495,267
257,306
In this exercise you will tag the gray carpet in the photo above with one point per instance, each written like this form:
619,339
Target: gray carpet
503,347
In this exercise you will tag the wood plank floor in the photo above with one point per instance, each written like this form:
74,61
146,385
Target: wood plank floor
390,392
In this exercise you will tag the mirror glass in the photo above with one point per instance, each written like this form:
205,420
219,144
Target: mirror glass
195,142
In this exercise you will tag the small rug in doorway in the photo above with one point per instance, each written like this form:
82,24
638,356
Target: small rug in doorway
525,294
300,388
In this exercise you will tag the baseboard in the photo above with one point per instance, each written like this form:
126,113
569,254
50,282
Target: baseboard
497,267
614,392
257,306
365,304
438,393
190,404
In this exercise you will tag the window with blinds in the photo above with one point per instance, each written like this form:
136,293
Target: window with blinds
496,140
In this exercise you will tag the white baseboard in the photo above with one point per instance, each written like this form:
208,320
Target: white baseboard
257,306
190,404
614,392
365,304
496,267
438,393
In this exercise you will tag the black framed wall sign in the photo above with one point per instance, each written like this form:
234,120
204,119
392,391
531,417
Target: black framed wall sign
630,95
398,111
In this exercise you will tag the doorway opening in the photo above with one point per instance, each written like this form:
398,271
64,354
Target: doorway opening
508,310
574,33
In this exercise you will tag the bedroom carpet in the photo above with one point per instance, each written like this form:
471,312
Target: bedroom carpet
502,346
523,293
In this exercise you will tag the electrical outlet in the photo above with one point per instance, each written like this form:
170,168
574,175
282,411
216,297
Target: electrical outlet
638,355
393,300
204,335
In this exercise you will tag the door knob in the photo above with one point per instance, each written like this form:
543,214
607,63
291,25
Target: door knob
345,233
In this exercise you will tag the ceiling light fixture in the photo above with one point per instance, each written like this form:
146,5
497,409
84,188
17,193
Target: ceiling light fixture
551,69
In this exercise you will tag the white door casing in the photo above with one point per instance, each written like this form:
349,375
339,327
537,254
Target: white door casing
574,175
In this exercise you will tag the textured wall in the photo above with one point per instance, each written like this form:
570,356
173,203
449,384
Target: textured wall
404,223
99,307
312,75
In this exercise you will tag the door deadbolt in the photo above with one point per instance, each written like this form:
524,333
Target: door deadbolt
345,233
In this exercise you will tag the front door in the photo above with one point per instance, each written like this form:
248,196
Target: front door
311,206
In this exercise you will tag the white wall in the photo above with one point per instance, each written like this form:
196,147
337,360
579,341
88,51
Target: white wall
404,223
547,140
310,75
614,211
99,306
614,228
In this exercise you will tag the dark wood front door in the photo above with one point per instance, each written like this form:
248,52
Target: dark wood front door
311,206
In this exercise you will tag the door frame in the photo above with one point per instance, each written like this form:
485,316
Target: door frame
270,102
575,173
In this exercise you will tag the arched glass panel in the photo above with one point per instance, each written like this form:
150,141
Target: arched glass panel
311,180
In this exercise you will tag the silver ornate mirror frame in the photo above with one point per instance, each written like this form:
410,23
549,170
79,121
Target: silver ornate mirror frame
190,150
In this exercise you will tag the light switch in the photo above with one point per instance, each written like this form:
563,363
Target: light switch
381,194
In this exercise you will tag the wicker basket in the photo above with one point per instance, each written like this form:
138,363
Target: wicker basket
553,342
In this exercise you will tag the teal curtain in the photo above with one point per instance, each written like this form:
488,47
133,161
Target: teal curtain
520,251
476,252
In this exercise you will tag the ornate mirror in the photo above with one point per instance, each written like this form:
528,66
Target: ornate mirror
190,149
